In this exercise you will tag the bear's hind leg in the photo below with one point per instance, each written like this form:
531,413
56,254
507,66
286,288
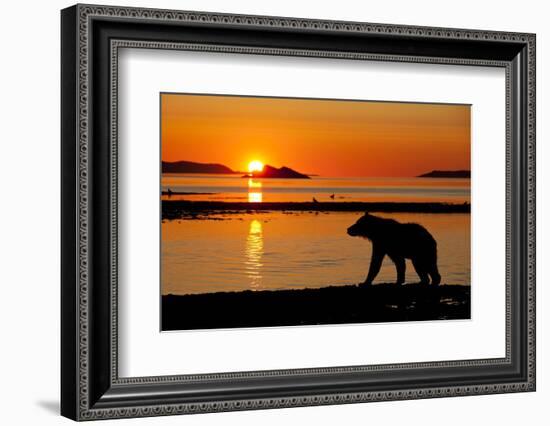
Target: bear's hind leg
422,271
436,278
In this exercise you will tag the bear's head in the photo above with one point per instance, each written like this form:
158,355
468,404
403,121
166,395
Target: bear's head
363,227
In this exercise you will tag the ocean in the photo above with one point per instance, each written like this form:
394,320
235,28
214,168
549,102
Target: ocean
236,251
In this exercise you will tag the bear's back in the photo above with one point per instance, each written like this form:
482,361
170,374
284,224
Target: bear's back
385,230
403,238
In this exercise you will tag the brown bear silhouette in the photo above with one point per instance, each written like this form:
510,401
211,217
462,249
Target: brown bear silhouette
399,241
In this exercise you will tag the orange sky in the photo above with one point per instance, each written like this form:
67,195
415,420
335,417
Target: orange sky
329,138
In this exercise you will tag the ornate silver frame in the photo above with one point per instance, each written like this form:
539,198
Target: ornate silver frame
91,388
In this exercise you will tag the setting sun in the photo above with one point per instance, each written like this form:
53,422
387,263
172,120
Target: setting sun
255,166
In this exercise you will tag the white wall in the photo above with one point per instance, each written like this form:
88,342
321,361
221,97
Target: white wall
29,217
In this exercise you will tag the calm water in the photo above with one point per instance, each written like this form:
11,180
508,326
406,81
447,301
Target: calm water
237,188
277,250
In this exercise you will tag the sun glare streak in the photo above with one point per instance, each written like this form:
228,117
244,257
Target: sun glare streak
254,191
254,251
255,197
253,184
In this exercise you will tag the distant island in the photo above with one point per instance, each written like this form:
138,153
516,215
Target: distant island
464,174
192,167
273,172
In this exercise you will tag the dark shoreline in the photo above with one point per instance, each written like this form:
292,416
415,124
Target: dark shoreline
316,306
176,209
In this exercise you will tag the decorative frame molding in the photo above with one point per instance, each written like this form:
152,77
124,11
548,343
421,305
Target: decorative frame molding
91,388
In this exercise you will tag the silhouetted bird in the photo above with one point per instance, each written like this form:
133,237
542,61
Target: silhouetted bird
169,192
314,200
332,196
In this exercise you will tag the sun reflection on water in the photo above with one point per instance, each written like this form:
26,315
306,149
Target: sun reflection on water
254,191
253,253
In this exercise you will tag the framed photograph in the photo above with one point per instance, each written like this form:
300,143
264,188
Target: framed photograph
263,212
270,246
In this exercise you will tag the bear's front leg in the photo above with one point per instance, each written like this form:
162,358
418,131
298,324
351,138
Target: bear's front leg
400,266
375,264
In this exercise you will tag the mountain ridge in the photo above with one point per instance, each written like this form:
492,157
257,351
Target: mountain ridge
447,174
273,172
194,167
